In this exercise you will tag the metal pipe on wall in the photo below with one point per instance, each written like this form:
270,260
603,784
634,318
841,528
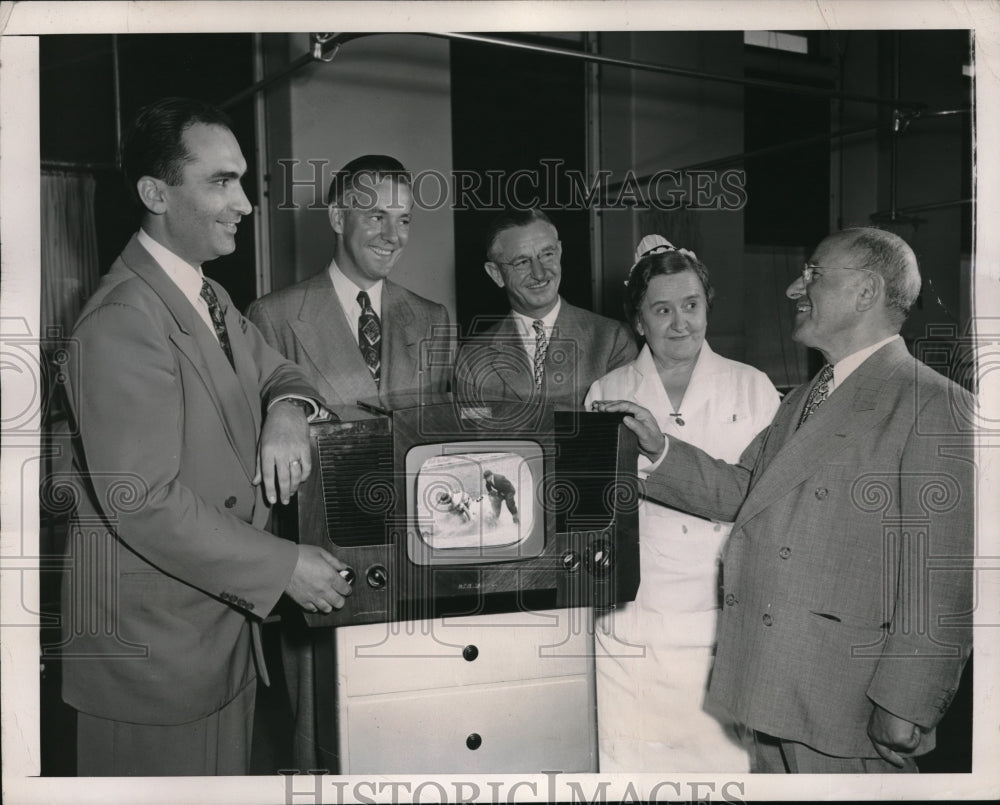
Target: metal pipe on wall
324,49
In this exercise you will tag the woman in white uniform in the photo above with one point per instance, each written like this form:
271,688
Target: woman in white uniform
654,655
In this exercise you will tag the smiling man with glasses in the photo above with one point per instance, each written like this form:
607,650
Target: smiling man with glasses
545,349
837,645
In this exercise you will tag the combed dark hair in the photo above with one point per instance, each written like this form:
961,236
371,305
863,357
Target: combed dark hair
890,256
654,265
370,169
511,219
153,144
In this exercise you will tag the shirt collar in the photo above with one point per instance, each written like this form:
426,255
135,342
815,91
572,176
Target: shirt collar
184,275
347,292
843,368
524,323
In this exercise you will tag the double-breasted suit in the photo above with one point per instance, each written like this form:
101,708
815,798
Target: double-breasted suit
846,580
583,347
306,324
171,570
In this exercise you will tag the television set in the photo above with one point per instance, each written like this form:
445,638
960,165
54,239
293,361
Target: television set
444,509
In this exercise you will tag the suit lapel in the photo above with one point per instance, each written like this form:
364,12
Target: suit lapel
793,454
400,344
195,341
510,361
326,337
568,360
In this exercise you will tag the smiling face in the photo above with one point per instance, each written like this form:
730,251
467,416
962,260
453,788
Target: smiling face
673,317
827,314
373,230
532,288
197,218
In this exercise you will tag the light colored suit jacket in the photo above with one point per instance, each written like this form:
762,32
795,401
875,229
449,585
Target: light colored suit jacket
583,347
171,569
305,323
837,592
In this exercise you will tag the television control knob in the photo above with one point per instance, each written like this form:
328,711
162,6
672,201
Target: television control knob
348,575
470,652
571,561
600,557
474,741
377,577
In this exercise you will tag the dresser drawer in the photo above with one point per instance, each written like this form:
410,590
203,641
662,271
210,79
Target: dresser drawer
484,649
524,727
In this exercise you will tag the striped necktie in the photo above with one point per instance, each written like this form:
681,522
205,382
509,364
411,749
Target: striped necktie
541,347
218,319
370,336
818,393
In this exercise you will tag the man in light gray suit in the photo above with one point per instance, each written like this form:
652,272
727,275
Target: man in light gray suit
359,337
545,350
839,644
358,334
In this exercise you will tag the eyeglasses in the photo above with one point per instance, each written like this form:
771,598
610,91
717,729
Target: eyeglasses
809,270
548,257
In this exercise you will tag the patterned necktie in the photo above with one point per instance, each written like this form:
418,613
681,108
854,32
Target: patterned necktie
818,393
541,347
218,319
370,336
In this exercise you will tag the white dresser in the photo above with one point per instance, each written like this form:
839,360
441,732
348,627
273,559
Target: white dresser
489,693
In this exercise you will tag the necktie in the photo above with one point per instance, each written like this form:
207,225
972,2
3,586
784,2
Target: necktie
370,336
541,346
218,319
818,393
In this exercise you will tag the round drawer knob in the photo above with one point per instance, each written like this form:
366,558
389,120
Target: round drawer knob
470,652
474,741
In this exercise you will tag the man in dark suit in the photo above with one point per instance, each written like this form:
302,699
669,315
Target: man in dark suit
186,419
839,644
356,333
500,489
358,336
545,349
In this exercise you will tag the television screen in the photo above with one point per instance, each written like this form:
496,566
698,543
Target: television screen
474,501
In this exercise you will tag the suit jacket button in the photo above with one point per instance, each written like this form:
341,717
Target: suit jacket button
768,620
731,600
785,552
821,493
230,501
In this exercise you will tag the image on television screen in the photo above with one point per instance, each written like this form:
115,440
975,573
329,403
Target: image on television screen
468,501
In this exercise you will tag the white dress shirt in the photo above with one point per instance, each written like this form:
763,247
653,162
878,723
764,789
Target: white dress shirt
526,329
347,293
186,277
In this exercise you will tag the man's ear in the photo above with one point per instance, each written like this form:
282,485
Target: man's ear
151,194
336,215
495,273
870,292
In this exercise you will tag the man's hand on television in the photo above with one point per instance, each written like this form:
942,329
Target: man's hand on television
641,422
283,460
317,584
